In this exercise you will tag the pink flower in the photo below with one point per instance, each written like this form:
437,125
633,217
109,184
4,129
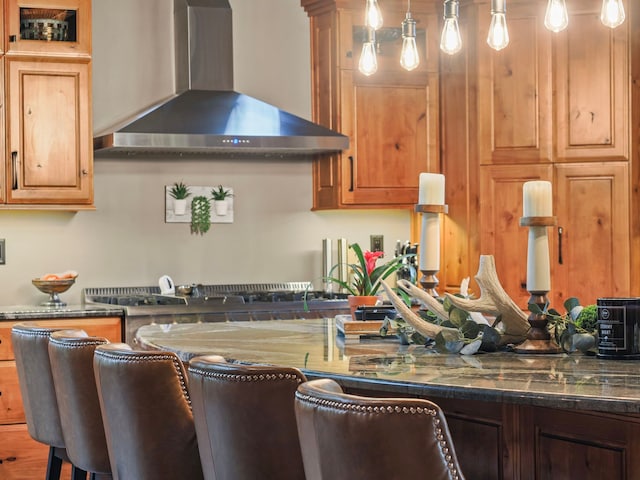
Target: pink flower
370,258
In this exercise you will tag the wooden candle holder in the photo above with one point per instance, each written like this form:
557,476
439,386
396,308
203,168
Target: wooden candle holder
538,339
429,281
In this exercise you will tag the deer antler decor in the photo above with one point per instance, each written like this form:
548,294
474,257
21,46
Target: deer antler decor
495,301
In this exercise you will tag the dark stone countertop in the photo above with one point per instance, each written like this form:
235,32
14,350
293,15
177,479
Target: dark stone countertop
563,381
35,312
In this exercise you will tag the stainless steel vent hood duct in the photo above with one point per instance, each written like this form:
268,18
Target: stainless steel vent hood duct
208,117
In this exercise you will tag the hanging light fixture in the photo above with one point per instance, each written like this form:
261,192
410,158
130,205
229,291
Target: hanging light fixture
612,13
556,18
409,58
368,64
373,15
498,37
450,41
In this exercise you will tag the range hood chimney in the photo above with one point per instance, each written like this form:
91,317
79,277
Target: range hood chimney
207,116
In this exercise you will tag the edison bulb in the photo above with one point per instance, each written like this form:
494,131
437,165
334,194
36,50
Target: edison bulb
556,18
409,58
450,41
368,64
498,37
373,15
612,14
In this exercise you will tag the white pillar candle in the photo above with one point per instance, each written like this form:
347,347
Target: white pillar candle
430,242
537,199
538,266
431,190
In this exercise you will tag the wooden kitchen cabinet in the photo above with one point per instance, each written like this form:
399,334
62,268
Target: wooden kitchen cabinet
48,138
42,27
588,249
390,117
558,107
21,457
47,126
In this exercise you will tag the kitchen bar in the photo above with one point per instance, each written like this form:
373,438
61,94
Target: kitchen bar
526,411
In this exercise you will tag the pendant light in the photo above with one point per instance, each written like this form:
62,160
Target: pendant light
450,41
612,14
368,64
556,18
498,37
373,15
409,58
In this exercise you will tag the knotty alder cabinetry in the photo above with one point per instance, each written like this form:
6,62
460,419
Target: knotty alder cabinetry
391,117
557,107
48,154
22,458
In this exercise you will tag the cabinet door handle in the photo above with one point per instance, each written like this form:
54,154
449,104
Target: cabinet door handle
14,170
560,232
13,38
351,173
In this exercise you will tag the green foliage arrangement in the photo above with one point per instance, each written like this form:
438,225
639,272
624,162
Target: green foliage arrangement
463,335
179,191
220,193
200,215
575,330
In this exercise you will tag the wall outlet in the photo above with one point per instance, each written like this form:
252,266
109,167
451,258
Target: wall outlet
377,243
3,253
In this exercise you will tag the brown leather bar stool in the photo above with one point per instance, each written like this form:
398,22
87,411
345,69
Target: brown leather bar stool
31,347
71,356
245,420
347,436
147,414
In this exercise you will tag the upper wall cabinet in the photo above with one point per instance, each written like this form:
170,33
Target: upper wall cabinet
49,26
46,128
571,86
391,116
552,106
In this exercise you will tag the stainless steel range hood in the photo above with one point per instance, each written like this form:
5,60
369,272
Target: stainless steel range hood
208,117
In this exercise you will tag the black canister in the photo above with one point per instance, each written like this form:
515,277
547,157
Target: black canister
619,328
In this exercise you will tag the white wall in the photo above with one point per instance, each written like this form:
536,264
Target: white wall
125,242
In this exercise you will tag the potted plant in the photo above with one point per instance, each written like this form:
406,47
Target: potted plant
200,215
220,202
366,276
180,192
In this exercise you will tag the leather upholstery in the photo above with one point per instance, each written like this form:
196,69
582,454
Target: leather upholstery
147,414
245,420
31,349
351,437
71,356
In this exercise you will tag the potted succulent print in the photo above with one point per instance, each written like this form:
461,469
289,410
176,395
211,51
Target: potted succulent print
220,202
180,192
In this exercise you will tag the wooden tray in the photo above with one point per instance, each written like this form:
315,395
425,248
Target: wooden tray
347,326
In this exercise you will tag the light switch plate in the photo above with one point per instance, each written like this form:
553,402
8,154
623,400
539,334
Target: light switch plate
377,243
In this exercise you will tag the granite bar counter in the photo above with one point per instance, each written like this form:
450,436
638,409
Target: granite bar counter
31,312
512,416
573,381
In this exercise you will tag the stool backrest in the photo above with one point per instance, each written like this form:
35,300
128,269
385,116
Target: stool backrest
348,436
245,420
71,355
31,348
147,414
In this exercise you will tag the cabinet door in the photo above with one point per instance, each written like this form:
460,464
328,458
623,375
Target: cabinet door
50,156
392,121
592,87
592,205
501,234
515,99
49,26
